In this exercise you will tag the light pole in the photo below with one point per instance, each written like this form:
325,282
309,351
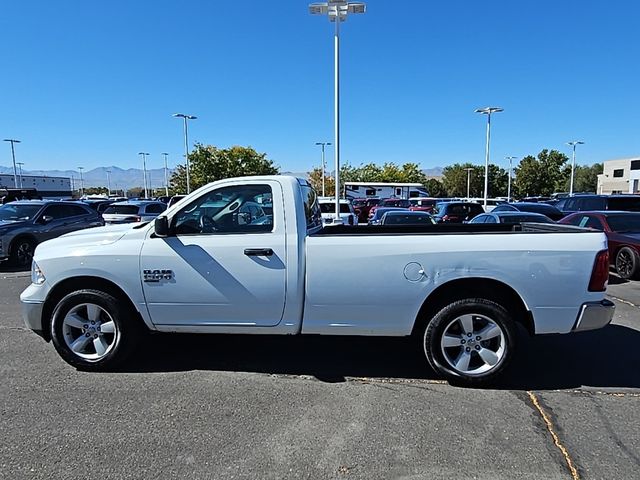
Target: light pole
108,182
487,111
186,145
511,159
20,171
337,11
573,163
323,144
469,170
13,155
144,172
81,182
166,175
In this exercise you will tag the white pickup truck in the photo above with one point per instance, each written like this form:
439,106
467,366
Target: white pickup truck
205,267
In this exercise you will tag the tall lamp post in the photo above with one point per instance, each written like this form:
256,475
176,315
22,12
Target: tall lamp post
81,182
323,144
186,145
511,159
144,172
487,111
573,162
166,175
469,170
108,182
337,11
20,164
13,155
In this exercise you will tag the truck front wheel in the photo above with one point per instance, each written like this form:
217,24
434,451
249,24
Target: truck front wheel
92,330
470,341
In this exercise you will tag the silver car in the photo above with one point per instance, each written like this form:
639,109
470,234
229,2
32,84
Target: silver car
133,211
26,223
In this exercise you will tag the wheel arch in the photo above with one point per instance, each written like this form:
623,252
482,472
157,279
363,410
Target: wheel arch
72,284
476,287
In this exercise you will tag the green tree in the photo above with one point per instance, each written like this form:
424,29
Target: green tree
95,191
135,192
209,163
454,180
435,187
541,175
585,178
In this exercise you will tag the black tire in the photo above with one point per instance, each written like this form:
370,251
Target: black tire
21,252
127,330
483,312
628,263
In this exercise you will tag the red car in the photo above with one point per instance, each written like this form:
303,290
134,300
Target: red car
423,204
362,206
623,234
390,202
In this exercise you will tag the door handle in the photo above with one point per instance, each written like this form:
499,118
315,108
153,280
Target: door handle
258,252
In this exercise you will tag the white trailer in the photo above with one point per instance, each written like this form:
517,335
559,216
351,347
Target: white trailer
384,190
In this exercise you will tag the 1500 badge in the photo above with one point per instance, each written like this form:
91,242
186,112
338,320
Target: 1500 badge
157,275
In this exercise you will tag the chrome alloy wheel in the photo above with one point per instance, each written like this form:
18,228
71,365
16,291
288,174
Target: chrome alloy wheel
24,253
89,331
473,344
624,263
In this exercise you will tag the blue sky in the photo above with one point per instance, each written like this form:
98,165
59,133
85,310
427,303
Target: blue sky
94,83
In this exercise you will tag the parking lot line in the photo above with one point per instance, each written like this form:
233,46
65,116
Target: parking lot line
556,439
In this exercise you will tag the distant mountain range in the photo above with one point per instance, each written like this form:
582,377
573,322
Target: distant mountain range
133,177
97,177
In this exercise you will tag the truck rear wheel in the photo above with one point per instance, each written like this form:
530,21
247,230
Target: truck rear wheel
93,331
470,341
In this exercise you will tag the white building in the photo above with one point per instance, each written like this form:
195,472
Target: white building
46,186
620,176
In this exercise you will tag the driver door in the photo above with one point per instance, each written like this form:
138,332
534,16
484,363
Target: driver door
216,269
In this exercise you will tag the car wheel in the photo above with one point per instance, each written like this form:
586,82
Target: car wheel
21,252
470,341
94,331
627,263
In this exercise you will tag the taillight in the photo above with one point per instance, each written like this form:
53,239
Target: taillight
138,218
600,272
445,218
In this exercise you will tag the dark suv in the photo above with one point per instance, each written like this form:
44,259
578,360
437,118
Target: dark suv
26,223
456,212
581,203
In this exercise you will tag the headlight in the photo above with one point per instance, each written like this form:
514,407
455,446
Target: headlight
37,277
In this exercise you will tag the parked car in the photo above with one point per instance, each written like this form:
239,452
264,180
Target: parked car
390,202
328,210
362,207
544,208
423,204
456,212
133,211
399,217
511,217
26,223
623,234
592,203
377,215
99,205
175,199
94,294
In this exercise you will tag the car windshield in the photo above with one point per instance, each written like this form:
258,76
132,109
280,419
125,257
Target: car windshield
18,212
395,202
331,208
624,223
394,218
122,210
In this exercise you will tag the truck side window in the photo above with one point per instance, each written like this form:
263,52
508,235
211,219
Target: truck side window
227,210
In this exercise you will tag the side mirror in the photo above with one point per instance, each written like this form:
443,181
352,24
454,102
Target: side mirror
161,226
46,219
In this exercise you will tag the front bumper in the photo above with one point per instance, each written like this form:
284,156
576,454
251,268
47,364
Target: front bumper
32,316
594,315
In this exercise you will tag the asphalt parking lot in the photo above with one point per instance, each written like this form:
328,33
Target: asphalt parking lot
263,407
